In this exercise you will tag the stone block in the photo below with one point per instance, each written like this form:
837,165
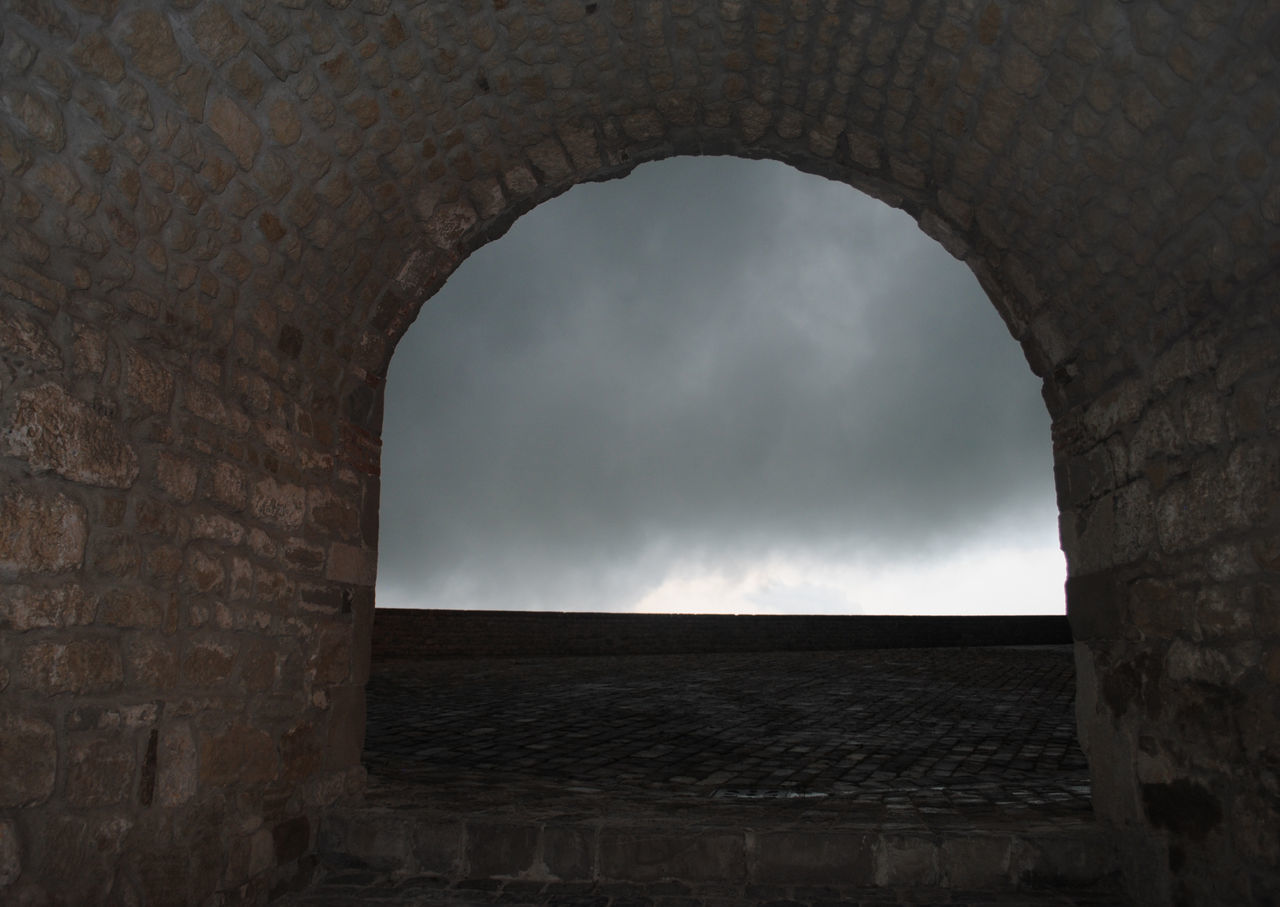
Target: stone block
40,533
151,662
100,770
202,572
32,607
976,862
207,663
1070,861
82,666
217,34
257,665
22,336
154,51
300,752
291,839
148,383
218,528
10,854
238,132
227,486
175,765
646,855
177,475
568,852
814,858
117,554
286,128
76,854
28,760
379,840
280,504
496,850
437,847
906,861
137,607
331,660
240,754
333,513
248,856
346,727
52,430
350,564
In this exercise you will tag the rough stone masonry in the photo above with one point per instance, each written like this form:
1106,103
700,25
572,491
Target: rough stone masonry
217,218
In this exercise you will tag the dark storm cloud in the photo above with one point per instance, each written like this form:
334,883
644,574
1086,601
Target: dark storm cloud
710,359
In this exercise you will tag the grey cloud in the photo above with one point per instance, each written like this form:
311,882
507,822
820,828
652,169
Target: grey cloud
709,359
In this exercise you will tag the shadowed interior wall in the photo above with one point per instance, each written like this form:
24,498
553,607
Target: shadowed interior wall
219,218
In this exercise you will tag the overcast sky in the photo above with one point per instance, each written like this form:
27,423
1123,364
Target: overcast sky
716,385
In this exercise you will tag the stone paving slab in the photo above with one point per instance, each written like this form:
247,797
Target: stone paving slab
942,730
873,776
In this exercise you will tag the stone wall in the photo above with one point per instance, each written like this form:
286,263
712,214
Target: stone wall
410,633
217,218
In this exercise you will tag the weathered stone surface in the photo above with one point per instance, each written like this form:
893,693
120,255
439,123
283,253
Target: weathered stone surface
155,52
237,131
815,858
904,861
280,504
300,755
176,765
976,863
28,760
567,851
331,662
228,486
203,572
40,533
291,838
10,854
53,431
437,847
217,34
100,771
349,564
238,754
500,850
83,666
207,664
31,607
642,855
21,335
333,513
149,383
151,662
177,475
90,842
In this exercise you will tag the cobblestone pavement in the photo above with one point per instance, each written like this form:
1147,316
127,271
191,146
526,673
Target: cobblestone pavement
948,740
945,730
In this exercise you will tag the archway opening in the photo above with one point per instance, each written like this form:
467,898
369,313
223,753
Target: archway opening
717,385
746,405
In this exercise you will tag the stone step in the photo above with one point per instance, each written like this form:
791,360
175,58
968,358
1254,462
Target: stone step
699,850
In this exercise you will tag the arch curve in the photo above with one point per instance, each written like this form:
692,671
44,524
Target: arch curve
219,220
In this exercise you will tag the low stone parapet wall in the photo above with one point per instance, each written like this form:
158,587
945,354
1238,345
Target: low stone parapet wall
411,633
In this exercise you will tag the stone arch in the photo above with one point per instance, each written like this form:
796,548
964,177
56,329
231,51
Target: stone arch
218,221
